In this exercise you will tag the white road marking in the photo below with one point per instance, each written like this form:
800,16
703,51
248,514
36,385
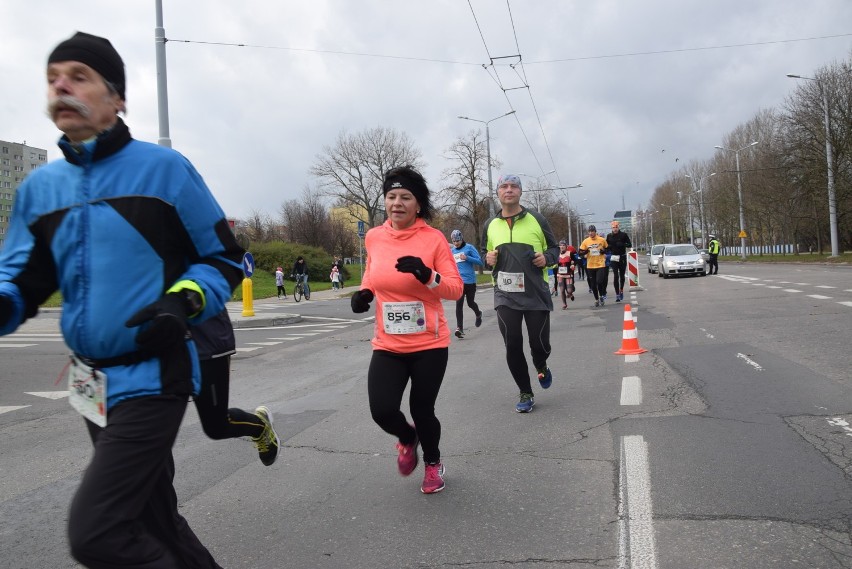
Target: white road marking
2,345
791,290
631,390
825,286
48,394
631,358
262,343
843,423
239,350
30,338
636,542
8,408
845,303
288,339
802,284
758,284
819,297
772,286
750,362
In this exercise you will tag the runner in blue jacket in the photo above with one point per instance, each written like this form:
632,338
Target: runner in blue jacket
466,258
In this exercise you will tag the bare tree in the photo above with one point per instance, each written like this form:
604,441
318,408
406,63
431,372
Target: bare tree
467,193
352,170
256,227
307,220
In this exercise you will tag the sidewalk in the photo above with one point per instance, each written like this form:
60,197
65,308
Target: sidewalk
273,311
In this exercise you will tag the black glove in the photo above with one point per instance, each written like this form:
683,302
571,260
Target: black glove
6,309
361,300
168,328
415,266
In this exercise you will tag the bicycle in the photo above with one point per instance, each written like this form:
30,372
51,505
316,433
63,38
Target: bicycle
301,289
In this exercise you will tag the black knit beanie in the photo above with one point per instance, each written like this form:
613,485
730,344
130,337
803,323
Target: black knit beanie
97,53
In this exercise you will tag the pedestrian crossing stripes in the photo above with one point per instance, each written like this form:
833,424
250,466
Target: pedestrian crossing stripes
786,286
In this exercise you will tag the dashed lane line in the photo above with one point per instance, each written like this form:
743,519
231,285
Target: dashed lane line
819,296
631,390
8,408
4,345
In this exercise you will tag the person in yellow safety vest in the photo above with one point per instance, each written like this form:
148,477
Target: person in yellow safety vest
713,249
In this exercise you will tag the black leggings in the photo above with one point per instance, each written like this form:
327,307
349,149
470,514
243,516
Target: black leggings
538,327
468,294
597,280
217,420
281,290
618,269
386,381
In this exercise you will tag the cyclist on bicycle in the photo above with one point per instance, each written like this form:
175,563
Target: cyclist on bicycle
300,273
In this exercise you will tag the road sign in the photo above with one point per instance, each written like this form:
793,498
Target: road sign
361,229
742,234
248,264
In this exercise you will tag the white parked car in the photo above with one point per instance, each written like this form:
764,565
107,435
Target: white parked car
683,259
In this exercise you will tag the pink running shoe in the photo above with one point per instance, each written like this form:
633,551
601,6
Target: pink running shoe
407,459
433,481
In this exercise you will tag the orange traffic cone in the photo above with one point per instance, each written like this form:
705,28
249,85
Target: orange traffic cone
630,339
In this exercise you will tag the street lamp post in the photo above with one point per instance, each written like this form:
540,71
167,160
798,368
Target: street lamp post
671,216
700,193
580,217
740,195
829,158
491,210
567,201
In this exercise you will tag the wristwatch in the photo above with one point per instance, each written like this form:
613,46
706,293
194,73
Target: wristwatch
435,281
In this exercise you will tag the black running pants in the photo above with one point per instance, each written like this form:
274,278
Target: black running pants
597,280
387,379
468,294
619,268
510,322
125,514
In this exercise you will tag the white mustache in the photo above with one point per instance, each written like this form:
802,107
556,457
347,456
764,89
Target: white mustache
67,102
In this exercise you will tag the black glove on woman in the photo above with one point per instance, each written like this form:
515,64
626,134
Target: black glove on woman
361,300
415,266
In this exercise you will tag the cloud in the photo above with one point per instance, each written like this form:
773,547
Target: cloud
253,118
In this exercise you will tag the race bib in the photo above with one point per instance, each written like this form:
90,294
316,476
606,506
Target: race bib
404,317
594,252
614,257
87,389
457,257
510,282
563,270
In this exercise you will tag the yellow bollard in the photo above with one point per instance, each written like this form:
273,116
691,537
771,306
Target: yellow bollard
248,300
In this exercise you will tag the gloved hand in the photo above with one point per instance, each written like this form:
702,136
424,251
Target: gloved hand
361,300
415,266
168,327
6,309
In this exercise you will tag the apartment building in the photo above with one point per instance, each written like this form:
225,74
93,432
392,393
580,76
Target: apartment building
16,161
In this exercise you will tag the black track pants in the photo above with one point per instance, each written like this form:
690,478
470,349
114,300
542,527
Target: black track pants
468,295
217,420
124,514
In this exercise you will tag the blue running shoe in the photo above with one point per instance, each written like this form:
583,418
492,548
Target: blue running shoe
545,378
526,403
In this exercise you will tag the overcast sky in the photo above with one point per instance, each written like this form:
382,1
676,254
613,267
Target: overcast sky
611,82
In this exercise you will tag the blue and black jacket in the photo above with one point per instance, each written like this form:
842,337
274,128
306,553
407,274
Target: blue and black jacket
113,227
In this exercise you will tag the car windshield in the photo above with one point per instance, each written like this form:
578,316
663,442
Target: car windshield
657,249
678,250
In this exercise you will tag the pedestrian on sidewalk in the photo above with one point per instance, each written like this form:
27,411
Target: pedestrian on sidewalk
466,258
594,249
112,199
520,247
335,277
279,282
411,338
215,342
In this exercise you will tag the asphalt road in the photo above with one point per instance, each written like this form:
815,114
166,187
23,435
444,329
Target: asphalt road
728,444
